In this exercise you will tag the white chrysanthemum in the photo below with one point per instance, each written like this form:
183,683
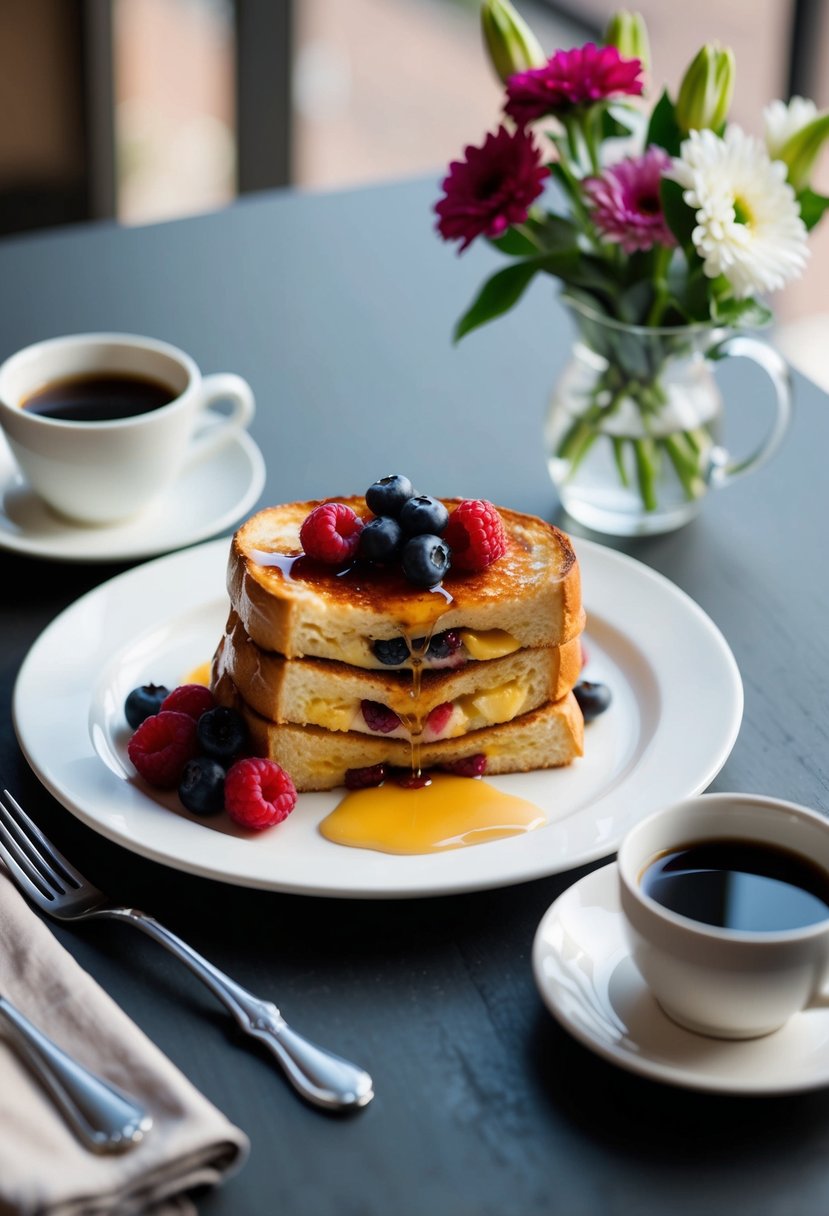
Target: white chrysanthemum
748,220
782,121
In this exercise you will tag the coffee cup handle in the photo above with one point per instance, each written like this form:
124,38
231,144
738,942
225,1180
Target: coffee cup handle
819,999
723,469
216,431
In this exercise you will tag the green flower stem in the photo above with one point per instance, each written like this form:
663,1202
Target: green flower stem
646,471
686,465
580,212
697,438
578,433
592,136
619,457
662,261
586,440
572,133
684,449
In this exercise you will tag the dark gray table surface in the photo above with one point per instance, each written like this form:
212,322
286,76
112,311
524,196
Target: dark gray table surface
338,309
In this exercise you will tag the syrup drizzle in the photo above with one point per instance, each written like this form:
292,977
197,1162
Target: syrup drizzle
418,648
284,562
422,814
450,813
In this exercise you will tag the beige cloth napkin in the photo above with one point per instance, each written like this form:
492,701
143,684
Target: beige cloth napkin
43,1168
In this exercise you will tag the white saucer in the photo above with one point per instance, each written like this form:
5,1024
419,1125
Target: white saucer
589,983
207,498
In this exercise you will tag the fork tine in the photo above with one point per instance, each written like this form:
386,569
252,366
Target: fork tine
23,872
23,849
48,855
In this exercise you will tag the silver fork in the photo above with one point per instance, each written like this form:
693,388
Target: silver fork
59,890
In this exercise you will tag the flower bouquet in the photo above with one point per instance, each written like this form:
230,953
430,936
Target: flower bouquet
666,225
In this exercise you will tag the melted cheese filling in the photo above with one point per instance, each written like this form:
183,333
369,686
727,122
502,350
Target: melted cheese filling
470,712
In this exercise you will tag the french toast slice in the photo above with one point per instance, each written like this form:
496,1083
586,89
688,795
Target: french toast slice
450,702
318,759
296,607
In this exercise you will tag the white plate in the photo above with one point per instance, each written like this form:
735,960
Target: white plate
589,983
677,704
207,498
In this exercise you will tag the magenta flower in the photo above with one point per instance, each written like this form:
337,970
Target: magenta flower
625,203
571,78
492,189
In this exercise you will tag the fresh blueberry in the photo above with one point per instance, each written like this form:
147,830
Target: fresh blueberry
423,515
143,702
222,733
202,786
445,644
392,653
388,495
380,539
425,560
593,698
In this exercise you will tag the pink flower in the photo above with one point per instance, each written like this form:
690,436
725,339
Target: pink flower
571,78
625,202
492,189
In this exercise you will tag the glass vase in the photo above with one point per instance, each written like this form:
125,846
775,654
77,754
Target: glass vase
634,429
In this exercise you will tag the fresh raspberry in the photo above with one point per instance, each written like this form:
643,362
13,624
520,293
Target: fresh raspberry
585,657
258,793
162,746
379,717
331,533
469,766
191,699
365,778
475,534
439,716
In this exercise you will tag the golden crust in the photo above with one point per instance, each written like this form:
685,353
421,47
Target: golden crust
301,690
293,606
317,759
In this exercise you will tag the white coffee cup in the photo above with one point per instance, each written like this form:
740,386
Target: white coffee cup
728,983
103,472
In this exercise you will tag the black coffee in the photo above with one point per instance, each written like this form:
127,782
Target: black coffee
736,884
99,398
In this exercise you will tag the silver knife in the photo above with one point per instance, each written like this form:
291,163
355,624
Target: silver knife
104,1118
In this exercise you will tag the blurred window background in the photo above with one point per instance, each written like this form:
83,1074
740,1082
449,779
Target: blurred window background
151,109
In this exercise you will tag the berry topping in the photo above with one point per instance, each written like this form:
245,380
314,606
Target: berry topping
331,534
425,560
222,733
438,717
469,766
191,699
388,495
161,747
258,793
380,540
202,786
423,514
144,701
392,652
365,778
379,717
593,698
444,645
409,780
476,535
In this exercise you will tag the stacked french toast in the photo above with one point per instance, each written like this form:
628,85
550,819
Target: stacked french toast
347,665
